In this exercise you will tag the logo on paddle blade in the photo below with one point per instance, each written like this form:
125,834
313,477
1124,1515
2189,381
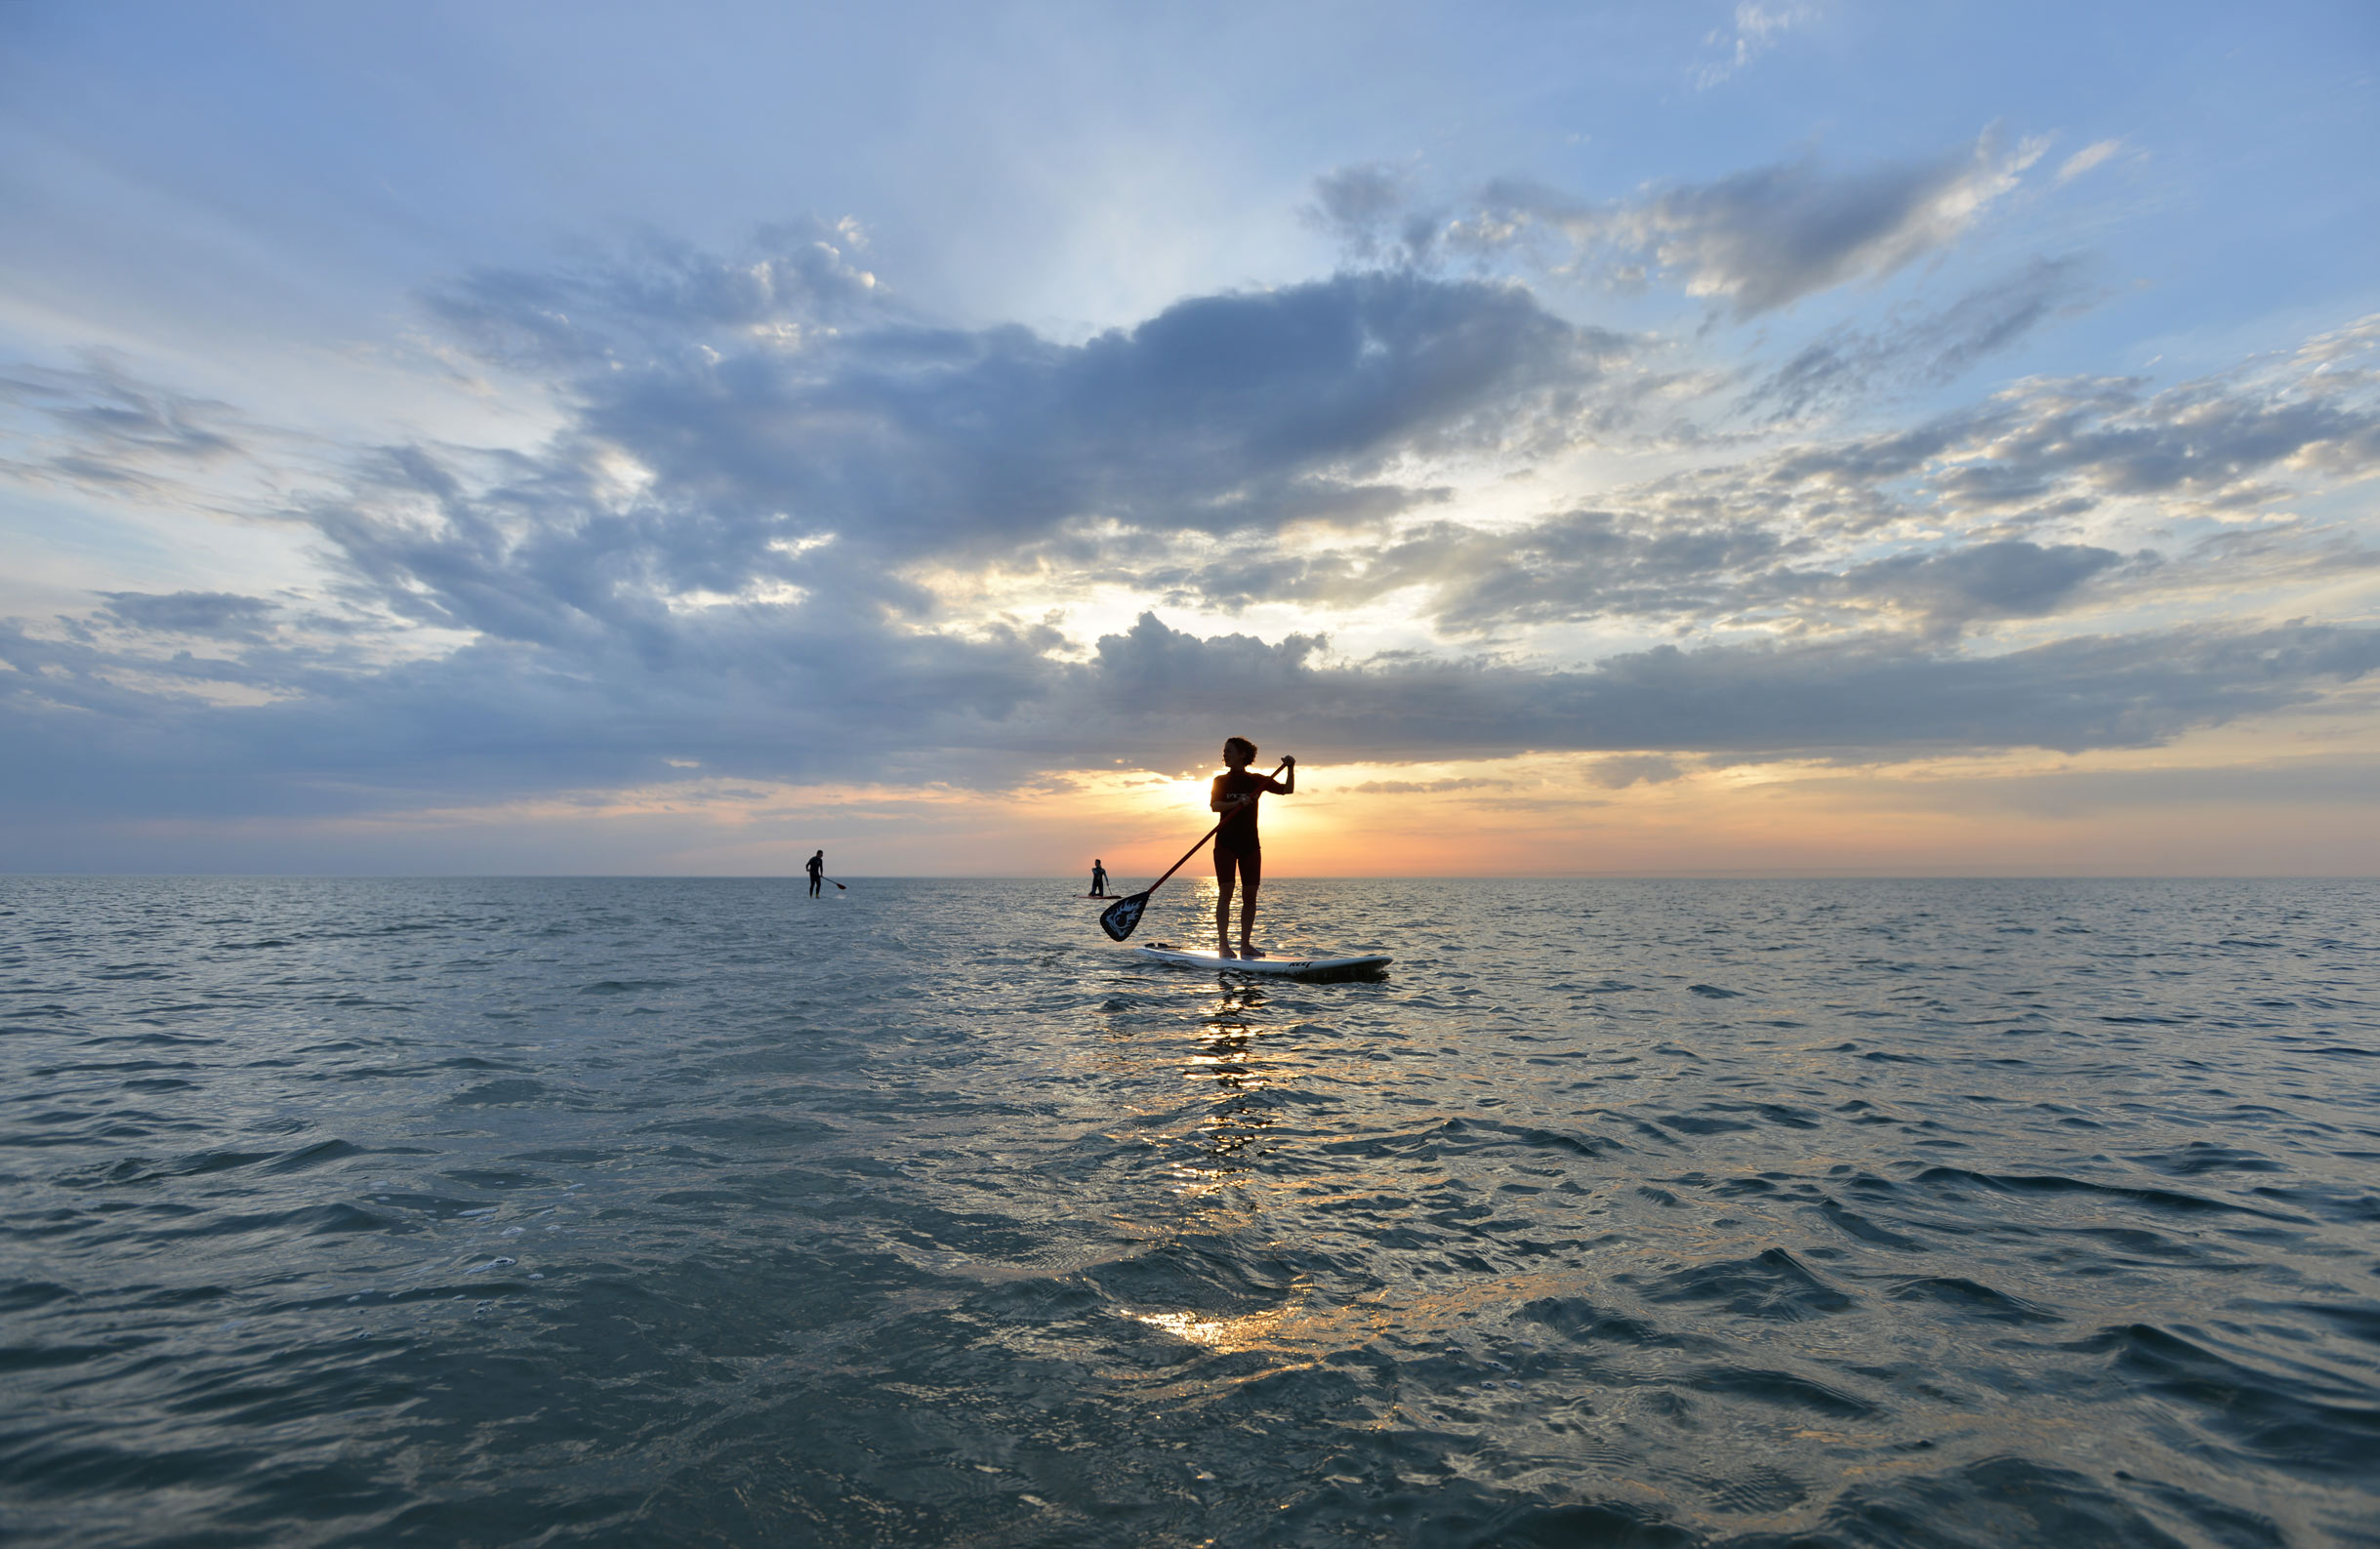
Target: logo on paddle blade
1120,918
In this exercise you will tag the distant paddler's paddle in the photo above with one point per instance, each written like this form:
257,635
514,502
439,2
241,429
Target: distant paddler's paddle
1123,917
839,887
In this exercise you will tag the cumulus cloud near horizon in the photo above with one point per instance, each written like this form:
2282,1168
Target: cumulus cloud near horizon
756,544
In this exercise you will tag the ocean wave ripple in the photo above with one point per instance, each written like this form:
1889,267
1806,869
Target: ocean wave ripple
1626,1214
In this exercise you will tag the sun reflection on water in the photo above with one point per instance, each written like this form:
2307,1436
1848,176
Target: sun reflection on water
1223,1336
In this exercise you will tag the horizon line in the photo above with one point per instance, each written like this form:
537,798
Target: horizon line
798,879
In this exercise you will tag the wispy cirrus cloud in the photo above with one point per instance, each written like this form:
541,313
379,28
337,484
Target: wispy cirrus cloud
1847,363
2095,154
1755,240
1755,29
96,426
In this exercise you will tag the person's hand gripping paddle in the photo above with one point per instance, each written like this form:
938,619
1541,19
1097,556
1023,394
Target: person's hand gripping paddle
1123,917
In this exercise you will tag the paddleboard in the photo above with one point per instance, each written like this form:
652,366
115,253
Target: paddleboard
1288,965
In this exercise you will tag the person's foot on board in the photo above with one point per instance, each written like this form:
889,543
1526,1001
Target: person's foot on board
1246,950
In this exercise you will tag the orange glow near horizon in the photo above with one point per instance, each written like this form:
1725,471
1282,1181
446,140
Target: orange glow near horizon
2284,797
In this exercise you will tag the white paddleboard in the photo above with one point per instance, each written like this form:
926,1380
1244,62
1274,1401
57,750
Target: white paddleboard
1287,964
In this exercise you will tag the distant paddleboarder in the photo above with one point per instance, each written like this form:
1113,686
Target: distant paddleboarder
1098,878
1238,854
816,866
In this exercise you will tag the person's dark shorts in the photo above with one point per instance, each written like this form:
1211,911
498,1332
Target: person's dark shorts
1248,864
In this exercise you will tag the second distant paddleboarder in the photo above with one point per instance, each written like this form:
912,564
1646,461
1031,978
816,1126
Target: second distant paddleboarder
1238,852
1098,878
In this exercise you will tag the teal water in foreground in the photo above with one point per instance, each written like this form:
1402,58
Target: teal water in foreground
1649,1213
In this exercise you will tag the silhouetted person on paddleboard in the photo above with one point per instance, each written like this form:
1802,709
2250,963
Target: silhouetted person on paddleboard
816,866
1098,878
1237,850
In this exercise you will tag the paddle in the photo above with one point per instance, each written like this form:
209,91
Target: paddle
839,887
1123,917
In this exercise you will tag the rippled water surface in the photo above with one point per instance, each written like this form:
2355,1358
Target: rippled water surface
648,1212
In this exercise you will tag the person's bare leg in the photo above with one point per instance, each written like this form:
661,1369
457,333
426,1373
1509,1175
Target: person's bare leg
1223,914
1248,917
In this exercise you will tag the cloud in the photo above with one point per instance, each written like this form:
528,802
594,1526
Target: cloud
741,551
1153,665
1765,238
765,700
1847,363
2010,579
2089,157
1853,698
1370,208
98,427
1236,411
1650,768
1419,787
666,300
222,614
2211,445
715,558
1757,28
1936,529
1758,240
1602,565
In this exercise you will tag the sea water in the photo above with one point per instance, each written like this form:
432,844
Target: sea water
1632,1212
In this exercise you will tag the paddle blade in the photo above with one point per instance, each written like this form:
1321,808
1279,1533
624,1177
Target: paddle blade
1121,917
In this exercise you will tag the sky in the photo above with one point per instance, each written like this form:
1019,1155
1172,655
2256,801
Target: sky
1898,437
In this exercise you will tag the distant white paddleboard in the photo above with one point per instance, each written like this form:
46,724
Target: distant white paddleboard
1285,964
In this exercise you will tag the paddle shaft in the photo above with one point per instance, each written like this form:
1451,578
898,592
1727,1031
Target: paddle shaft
1203,838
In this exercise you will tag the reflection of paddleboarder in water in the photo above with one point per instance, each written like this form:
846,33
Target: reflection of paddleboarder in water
816,866
1098,878
1237,850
